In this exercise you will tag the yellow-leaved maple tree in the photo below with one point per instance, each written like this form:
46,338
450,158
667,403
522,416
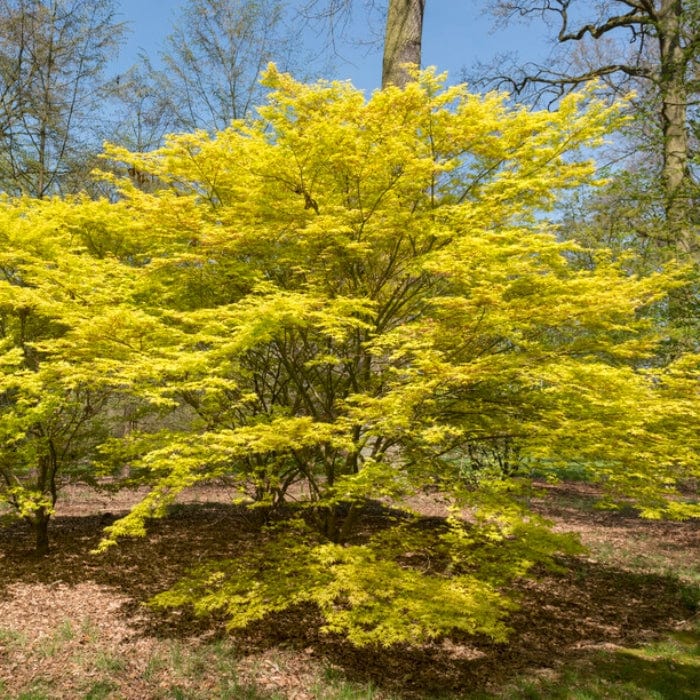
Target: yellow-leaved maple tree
351,299
55,410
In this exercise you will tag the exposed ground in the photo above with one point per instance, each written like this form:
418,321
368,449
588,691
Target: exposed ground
73,625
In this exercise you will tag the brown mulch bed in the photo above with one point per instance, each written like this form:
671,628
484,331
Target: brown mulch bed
594,605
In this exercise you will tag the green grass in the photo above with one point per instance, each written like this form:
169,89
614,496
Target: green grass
63,634
40,690
109,663
100,690
665,670
334,686
12,638
186,666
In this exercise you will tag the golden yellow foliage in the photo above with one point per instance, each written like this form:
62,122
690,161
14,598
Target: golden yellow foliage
352,299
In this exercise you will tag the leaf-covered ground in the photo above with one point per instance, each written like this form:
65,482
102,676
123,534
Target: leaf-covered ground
73,625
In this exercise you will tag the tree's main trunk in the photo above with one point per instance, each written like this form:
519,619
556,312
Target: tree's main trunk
41,531
402,40
674,126
47,468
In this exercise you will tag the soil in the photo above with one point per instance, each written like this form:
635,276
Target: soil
604,600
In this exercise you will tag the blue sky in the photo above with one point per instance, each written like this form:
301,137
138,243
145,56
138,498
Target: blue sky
456,35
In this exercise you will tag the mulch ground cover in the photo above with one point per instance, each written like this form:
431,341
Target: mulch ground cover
599,602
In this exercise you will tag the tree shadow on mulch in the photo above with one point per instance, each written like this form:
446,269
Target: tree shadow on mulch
562,617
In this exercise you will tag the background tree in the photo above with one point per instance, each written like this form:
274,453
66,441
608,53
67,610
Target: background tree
643,46
142,112
402,41
53,56
403,31
214,58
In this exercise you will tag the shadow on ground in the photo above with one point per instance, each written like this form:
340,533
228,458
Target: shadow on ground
562,618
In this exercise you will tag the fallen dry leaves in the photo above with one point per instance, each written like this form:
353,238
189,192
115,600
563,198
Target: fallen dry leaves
73,623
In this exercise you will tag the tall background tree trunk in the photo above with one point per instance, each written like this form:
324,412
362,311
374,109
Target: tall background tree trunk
674,107
402,40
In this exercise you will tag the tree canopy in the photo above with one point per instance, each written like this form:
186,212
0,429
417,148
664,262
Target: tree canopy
335,306
646,51
54,409
354,299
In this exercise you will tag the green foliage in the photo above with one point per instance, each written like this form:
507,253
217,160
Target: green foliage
54,407
405,583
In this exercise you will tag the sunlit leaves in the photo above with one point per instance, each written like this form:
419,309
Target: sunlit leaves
393,311
352,299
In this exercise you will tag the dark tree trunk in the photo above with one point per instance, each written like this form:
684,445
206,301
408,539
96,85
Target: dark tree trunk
46,486
41,532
